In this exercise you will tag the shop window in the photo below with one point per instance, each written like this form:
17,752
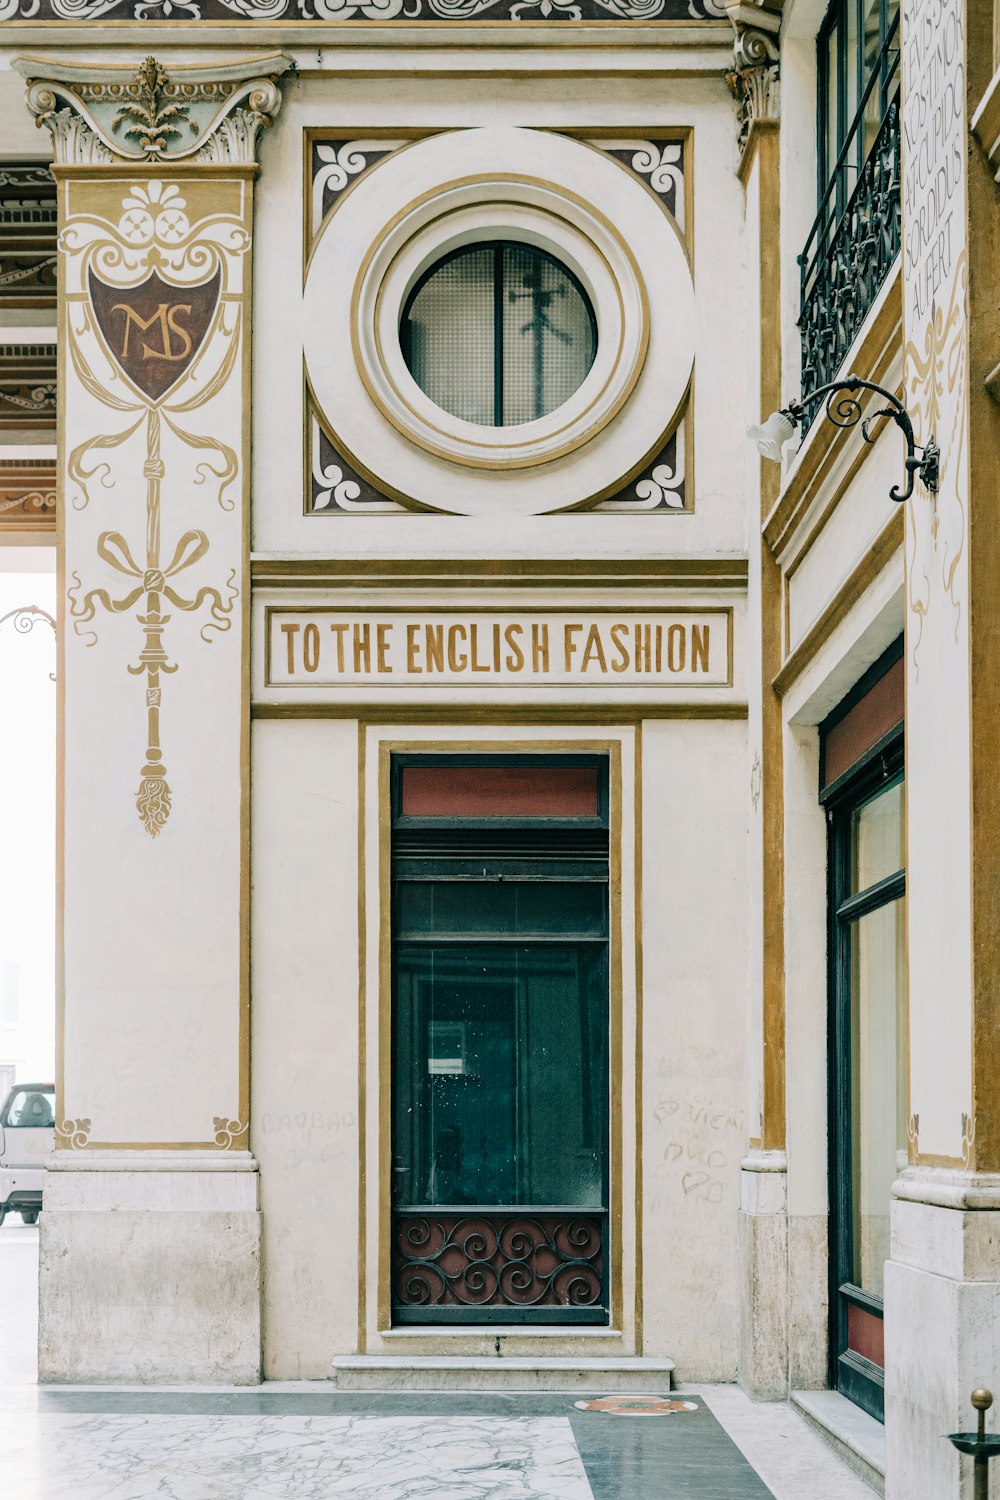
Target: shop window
500,1084
498,333
863,791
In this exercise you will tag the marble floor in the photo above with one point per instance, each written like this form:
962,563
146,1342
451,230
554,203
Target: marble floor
307,1441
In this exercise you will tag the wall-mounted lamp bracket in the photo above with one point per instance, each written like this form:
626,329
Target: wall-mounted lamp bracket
844,410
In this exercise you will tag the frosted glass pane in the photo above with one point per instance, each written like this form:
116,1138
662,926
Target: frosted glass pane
879,1062
501,302
878,839
548,342
450,334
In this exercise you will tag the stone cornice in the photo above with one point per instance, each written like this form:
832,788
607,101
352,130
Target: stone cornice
108,114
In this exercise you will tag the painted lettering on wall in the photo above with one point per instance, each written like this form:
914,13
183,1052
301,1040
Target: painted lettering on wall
934,145
337,647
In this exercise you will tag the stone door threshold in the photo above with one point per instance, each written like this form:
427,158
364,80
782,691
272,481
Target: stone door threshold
413,1372
855,1436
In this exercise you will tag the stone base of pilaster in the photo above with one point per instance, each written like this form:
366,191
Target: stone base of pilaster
763,1276
942,1326
149,1269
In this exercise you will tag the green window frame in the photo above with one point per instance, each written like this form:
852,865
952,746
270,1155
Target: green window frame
866,1041
857,77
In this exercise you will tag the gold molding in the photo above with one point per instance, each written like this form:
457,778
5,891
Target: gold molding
499,713
759,130
182,170
62,197
888,541
500,573
983,439
763,152
639,1038
28,496
362,881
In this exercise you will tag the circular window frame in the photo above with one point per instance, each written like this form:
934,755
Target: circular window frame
533,212
405,454
498,247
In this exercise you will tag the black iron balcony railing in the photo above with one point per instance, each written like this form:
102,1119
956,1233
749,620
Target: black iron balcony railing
855,237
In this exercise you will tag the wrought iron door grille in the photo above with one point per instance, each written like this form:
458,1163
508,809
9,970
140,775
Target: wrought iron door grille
855,238
499,1265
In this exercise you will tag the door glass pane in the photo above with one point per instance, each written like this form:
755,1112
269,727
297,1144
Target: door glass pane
879,1083
506,908
501,1074
878,838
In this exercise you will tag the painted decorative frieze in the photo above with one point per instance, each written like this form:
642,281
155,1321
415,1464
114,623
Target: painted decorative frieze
383,12
27,386
27,236
27,494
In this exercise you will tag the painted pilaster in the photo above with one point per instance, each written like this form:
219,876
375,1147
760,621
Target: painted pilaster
150,1242
763,1247
943,1279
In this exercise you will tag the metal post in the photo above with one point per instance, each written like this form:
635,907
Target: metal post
980,1445
982,1400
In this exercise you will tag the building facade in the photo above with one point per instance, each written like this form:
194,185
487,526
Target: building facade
506,912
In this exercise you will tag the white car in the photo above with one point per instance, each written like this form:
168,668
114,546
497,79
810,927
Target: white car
27,1135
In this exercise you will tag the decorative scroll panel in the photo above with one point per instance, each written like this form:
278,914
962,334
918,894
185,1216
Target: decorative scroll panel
27,236
383,12
499,1264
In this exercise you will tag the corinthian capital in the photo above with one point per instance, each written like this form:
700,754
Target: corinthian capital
754,76
151,113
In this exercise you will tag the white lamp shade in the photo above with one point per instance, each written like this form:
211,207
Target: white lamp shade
772,436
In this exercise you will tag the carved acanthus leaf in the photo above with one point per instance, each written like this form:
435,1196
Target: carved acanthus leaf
201,112
754,76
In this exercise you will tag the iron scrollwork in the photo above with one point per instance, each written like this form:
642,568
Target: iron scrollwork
842,274
490,1260
844,409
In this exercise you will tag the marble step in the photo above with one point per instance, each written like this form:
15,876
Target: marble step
410,1372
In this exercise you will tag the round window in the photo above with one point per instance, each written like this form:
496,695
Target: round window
498,333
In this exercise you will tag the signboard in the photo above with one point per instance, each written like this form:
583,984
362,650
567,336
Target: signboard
650,649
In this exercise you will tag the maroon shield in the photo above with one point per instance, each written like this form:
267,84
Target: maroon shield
154,330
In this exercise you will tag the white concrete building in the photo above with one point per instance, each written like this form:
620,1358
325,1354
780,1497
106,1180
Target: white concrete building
482,837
